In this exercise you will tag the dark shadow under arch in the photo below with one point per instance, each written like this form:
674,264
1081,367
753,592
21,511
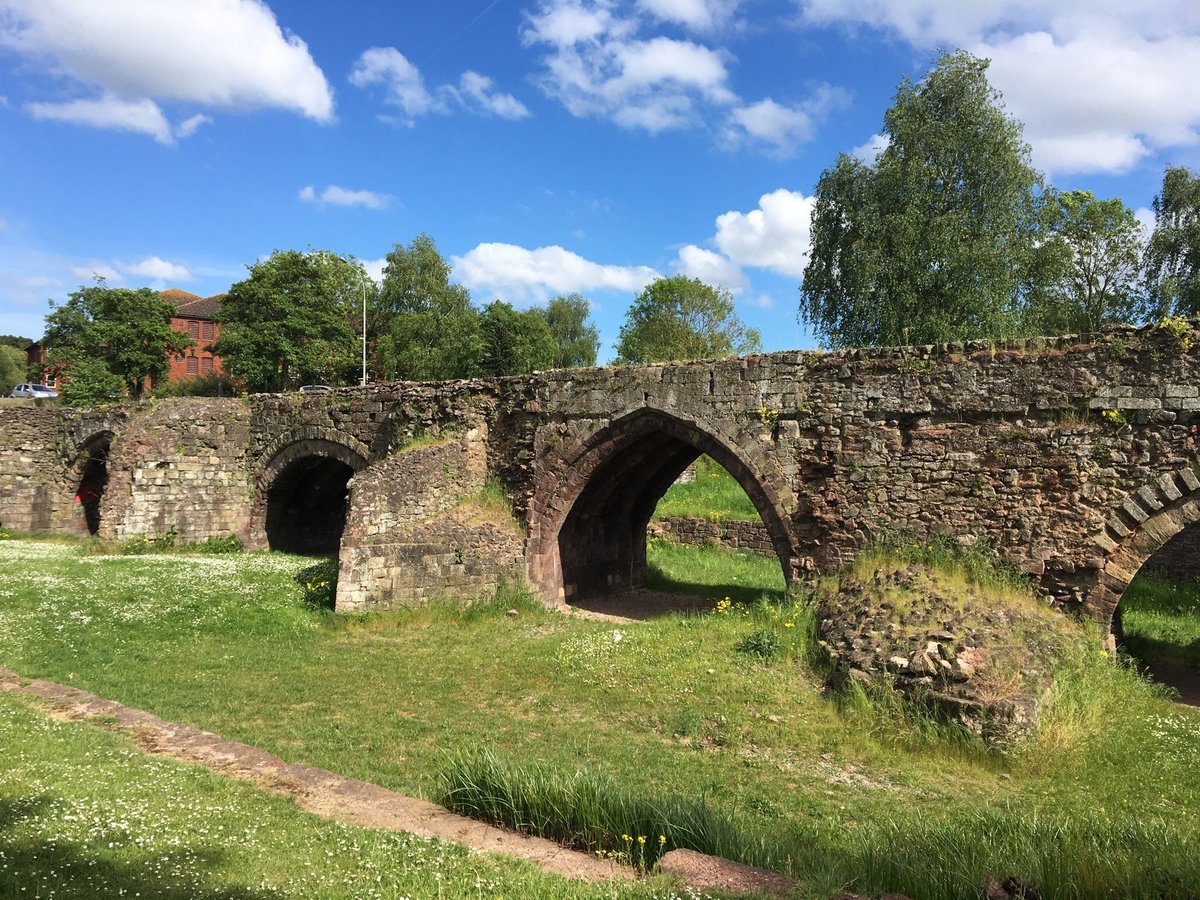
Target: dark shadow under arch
590,534
307,497
92,479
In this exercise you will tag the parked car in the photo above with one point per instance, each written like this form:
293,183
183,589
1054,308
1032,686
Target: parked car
315,389
34,392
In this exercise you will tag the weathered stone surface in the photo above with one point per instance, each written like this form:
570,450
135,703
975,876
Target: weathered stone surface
982,442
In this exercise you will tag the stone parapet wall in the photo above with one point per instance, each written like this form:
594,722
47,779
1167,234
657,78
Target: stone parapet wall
33,485
412,534
736,535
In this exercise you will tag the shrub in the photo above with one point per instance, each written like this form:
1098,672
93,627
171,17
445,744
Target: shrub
319,584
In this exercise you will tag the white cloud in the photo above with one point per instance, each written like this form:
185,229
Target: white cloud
868,152
773,236
188,127
516,272
1145,216
97,270
405,86
374,268
1099,84
142,116
698,15
227,54
780,128
158,269
477,92
762,301
711,268
334,195
406,89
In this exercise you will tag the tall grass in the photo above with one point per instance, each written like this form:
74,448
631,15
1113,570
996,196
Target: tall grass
587,810
714,495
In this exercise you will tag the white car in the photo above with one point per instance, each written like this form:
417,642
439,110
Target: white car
34,392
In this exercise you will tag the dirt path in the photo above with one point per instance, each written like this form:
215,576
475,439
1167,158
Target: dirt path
316,790
639,604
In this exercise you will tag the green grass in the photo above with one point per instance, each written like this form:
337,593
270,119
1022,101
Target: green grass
669,709
84,813
714,495
1161,619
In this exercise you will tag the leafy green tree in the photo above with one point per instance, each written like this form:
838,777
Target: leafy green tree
937,239
128,331
13,340
1172,257
576,338
1091,275
515,343
681,318
428,330
12,367
292,321
90,382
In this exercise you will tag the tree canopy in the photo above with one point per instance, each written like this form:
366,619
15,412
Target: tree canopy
681,318
1091,266
126,331
515,343
12,367
576,340
293,320
1172,257
427,328
936,239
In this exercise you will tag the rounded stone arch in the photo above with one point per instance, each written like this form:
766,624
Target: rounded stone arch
598,494
327,453
1137,529
88,478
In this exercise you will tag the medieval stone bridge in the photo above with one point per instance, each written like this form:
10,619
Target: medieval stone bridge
1074,457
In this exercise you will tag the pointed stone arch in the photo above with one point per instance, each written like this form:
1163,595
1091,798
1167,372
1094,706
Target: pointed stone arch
88,480
1137,529
593,498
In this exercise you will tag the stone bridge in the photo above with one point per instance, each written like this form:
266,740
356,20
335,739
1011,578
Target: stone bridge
1074,457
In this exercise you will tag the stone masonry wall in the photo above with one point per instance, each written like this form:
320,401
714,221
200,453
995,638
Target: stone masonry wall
32,480
736,535
412,534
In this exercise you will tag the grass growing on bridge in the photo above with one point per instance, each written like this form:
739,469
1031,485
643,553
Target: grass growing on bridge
719,709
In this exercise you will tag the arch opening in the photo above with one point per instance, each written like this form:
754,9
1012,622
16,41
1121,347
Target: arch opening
1157,620
307,504
92,481
609,494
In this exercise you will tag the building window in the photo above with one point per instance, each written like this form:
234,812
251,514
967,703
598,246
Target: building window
207,330
193,365
193,329
206,364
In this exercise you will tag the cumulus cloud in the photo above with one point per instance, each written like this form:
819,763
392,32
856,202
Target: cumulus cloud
405,88
158,269
1099,84
152,268
334,195
868,151
519,273
224,54
604,60
773,236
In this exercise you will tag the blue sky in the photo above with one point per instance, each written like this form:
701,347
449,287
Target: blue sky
548,146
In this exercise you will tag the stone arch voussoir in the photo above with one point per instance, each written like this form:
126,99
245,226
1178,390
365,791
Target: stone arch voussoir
565,471
1137,528
312,440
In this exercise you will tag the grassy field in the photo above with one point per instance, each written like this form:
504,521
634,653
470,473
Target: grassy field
1161,619
714,495
682,709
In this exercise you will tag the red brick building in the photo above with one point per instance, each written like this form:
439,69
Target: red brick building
195,317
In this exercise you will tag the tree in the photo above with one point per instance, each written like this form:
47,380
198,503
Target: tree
292,320
12,361
127,331
1093,265
428,330
1172,258
681,318
515,343
577,340
936,240
90,383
